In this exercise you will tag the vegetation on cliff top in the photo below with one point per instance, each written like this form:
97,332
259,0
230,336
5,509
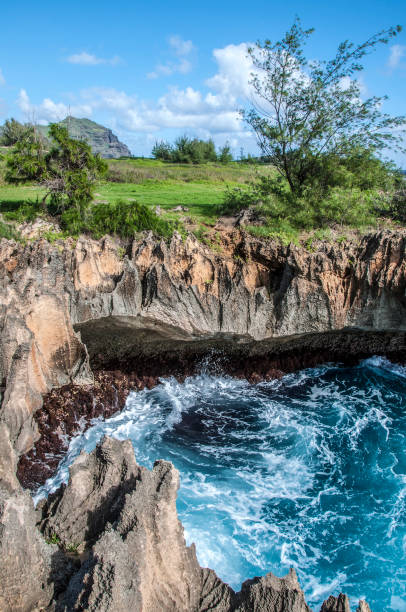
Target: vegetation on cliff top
67,174
320,141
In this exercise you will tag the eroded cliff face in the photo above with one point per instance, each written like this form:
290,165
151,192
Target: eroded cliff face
65,302
73,308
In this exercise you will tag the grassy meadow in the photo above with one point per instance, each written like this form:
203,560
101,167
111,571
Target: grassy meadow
200,188
154,183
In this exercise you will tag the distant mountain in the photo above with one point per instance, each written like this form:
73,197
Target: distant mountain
101,139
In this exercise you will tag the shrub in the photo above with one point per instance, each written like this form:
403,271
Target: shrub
397,206
236,199
162,150
123,219
27,211
12,131
8,232
190,151
225,156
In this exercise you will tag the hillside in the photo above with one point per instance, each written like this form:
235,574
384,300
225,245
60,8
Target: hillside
101,139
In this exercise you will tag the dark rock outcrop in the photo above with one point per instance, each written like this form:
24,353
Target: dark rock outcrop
342,604
271,593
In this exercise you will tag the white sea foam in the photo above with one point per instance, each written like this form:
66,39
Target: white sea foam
306,471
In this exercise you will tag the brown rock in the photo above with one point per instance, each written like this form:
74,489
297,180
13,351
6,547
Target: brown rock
270,593
363,606
336,604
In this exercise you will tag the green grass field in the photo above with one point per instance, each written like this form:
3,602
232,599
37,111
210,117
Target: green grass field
202,199
151,170
200,188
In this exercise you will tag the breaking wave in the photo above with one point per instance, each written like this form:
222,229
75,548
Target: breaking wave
308,471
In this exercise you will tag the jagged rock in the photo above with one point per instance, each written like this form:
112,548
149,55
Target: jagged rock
336,604
342,604
137,556
25,558
66,302
94,496
129,514
272,594
247,216
180,208
363,606
160,295
32,230
70,306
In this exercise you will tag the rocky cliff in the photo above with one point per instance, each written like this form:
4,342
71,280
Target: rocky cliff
73,313
101,139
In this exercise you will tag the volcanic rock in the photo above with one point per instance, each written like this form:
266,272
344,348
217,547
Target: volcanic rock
125,517
25,558
336,604
71,308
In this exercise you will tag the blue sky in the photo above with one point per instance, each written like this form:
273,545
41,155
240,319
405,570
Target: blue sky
156,70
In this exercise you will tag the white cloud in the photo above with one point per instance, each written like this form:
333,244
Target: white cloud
180,48
235,69
2,79
48,110
212,111
396,54
87,59
178,108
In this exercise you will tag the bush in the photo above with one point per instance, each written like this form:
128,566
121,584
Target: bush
397,206
236,199
123,219
27,211
12,131
8,232
191,151
225,156
162,150
353,190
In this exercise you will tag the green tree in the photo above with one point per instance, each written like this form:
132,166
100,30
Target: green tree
186,150
12,131
225,156
72,170
162,150
304,111
27,160
68,171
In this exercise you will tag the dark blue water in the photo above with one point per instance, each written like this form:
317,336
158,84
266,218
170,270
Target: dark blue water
308,472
